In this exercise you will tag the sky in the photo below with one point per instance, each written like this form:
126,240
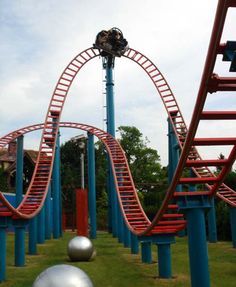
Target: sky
39,39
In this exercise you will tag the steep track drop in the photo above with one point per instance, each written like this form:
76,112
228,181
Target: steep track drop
135,216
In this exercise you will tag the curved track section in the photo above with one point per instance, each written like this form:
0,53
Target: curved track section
136,218
29,207
195,161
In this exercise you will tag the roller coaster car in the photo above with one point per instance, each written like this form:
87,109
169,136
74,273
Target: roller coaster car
111,42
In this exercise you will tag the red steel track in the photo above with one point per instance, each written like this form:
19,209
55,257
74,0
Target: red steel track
167,219
128,198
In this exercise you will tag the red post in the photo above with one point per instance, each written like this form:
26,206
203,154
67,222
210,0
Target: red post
82,211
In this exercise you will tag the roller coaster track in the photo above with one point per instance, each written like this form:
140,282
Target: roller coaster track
167,219
130,203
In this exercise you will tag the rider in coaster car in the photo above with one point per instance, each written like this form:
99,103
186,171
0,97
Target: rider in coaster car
112,41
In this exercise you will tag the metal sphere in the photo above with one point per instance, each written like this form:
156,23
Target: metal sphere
63,276
80,248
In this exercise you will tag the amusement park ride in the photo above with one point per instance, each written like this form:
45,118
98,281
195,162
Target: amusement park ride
181,208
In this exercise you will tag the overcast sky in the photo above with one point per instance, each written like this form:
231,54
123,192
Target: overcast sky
39,39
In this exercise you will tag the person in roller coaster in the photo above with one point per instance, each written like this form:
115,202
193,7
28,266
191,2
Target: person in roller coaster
111,42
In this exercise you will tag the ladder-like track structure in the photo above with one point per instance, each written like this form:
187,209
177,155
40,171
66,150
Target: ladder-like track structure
131,207
167,219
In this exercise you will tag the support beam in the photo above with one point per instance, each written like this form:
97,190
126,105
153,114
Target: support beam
92,187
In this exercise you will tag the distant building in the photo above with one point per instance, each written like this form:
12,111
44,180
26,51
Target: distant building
8,165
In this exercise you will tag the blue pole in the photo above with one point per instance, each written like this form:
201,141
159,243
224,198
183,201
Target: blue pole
233,225
3,226
60,191
197,242
19,242
32,242
47,207
41,226
127,237
211,217
109,65
19,225
55,191
19,170
146,251
134,244
92,187
164,260
120,229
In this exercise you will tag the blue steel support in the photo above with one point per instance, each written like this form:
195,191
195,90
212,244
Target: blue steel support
3,226
92,187
60,194
146,251
48,210
56,190
211,218
19,225
120,230
19,170
41,226
108,64
134,244
164,260
127,237
32,241
233,225
197,242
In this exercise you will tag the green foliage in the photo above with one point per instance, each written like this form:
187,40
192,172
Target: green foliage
149,177
70,172
223,220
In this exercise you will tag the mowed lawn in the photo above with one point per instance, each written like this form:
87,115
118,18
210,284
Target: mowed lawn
114,266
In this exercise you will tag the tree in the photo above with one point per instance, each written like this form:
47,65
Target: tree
149,177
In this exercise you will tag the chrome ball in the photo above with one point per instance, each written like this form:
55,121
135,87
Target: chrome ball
80,248
63,276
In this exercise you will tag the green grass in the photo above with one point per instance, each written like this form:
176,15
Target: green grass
114,265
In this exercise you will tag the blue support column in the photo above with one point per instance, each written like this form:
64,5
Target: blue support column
194,209
19,170
211,218
41,226
92,187
56,190
233,225
32,241
146,251
19,225
134,244
197,242
108,64
3,248
164,260
127,236
120,230
48,210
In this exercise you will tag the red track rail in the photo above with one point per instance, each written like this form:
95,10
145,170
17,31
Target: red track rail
199,166
30,206
131,207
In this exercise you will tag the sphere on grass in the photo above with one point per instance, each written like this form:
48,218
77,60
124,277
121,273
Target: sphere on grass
80,248
63,276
